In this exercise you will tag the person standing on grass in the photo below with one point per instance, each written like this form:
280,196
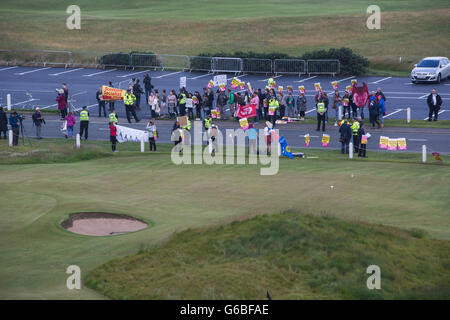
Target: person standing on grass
3,123
222,100
70,118
267,131
113,135
381,110
434,102
37,121
84,122
301,105
101,103
336,105
62,104
346,135
355,127
282,97
152,134
363,144
176,136
14,123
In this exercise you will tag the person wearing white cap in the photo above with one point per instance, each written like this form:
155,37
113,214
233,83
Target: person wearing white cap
37,121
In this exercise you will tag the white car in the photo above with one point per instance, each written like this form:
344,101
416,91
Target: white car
431,69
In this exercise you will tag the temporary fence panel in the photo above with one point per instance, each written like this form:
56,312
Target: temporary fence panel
197,63
323,67
222,64
86,59
54,57
174,62
145,60
7,57
257,65
289,66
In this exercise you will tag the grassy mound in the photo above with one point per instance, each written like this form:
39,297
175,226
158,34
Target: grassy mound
293,256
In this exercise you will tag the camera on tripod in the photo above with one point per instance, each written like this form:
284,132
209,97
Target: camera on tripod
21,117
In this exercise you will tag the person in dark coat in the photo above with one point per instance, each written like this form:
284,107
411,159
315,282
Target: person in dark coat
434,102
101,103
362,146
3,123
346,136
14,123
137,91
62,104
147,86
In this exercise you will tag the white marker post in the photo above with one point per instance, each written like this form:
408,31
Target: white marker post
340,113
142,144
78,141
8,101
424,153
350,150
408,115
10,136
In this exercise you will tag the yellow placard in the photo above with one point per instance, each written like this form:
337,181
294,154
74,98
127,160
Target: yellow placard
109,93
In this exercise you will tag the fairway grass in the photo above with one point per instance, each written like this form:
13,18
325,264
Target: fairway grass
390,189
410,30
290,255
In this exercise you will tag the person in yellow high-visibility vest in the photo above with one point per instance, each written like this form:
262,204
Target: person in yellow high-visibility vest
273,107
355,127
321,110
84,123
129,100
113,116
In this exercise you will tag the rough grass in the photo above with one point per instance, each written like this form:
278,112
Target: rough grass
409,29
291,255
390,189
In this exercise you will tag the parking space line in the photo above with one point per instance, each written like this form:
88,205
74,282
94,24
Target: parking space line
346,79
198,77
94,74
418,139
307,79
381,80
310,111
46,107
425,95
390,114
26,72
166,75
271,78
132,74
22,102
57,74
8,68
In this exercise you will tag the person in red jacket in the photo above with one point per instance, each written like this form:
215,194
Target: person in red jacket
62,104
113,135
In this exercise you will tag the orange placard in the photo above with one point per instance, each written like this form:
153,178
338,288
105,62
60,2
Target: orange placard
109,93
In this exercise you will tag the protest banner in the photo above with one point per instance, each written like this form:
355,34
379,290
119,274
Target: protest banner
401,142
436,156
334,84
317,86
247,111
210,84
235,83
384,142
392,144
307,140
301,89
244,123
182,82
222,87
290,89
242,85
109,93
325,140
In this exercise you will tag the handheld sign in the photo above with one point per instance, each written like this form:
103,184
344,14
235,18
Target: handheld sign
182,82
307,140
334,84
325,140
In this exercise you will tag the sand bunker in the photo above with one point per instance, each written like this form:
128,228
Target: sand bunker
102,224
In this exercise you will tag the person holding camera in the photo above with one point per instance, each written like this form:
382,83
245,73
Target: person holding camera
14,123
37,121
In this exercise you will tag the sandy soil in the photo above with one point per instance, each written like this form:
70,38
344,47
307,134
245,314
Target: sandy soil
98,224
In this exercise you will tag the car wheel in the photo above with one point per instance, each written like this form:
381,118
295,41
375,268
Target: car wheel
438,79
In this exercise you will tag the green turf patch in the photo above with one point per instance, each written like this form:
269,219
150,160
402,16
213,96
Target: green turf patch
291,255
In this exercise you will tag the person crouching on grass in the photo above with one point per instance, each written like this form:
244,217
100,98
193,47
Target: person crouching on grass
152,134
113,135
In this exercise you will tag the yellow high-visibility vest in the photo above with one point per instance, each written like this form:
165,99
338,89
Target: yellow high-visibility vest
84,115
355,128
321,107
129,99
112,117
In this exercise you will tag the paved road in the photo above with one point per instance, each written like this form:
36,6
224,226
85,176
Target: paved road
436,139
35,86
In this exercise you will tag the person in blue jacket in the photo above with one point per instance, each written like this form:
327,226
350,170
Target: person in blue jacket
14,123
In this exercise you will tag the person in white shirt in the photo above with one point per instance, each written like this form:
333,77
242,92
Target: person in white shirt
152,134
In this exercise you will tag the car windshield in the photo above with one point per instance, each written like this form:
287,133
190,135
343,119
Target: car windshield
428,64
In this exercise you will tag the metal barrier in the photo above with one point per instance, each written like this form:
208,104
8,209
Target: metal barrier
54,57
86,59
145,60
289,66
36,57
174,62
198,63
113,59
257,65
323,67
223,64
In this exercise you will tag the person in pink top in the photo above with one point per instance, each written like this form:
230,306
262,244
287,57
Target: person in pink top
255,101
70,118
62,104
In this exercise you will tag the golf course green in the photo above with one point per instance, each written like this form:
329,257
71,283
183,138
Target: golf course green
42,184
